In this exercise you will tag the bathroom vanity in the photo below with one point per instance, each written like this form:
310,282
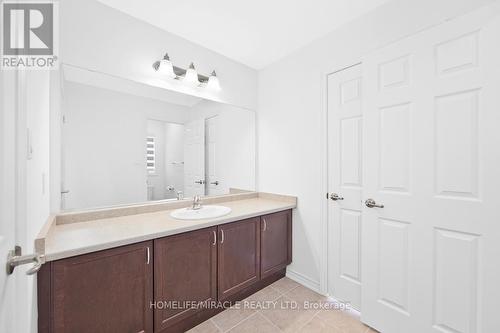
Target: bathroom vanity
148,272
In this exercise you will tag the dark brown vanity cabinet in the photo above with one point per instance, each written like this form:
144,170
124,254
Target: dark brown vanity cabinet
276,242
185,268
105,291
239,256
152,286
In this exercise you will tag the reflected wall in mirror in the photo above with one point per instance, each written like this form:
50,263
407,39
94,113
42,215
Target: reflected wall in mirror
120,148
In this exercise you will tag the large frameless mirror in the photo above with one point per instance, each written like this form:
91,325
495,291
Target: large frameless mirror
123,148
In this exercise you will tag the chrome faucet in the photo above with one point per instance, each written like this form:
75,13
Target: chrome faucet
180,195
196,202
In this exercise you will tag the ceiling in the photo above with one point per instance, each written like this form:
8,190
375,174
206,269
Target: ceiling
255,32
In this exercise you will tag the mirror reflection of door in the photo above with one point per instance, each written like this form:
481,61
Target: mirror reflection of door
212,157
194,158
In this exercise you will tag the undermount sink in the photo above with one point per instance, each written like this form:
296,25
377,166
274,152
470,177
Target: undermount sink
205,212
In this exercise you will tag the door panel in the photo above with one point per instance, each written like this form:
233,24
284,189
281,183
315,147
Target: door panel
395,129
456,142
431,160
276,232
185,270
239,256
350,227
107,291
345,129
452,309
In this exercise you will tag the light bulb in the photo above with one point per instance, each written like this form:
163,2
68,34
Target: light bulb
166,68
191,76
213,82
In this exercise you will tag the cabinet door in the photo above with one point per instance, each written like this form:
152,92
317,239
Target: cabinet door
106,291
239,256
276,242
185,271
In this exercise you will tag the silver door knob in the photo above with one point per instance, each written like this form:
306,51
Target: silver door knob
370,203
335,197
16,259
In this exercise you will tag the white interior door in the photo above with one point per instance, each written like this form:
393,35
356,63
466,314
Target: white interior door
194,158
8,158
212,157
345,127
431,157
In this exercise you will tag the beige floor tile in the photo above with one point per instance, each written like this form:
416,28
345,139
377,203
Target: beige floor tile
301,295
285,284
317,325
283,314
343,320
287,317
354,327
230,317
335,317
205,327
263,295
255,323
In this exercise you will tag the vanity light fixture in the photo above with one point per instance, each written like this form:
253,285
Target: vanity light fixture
213,82
190,75
165,67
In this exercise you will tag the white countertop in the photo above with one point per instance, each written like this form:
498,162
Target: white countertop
71,239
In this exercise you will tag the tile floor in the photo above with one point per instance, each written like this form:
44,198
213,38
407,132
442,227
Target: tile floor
284,306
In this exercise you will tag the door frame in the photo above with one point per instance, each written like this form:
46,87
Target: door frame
324,216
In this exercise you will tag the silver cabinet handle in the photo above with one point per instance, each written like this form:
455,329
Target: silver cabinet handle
265,224
370,203
215,237
335,197
215,183
148,255
199,182
222,236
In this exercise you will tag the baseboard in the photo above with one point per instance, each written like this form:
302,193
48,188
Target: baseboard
303,280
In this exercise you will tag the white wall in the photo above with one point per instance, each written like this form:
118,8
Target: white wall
291,123
95,172
236,140
100,38
174,154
